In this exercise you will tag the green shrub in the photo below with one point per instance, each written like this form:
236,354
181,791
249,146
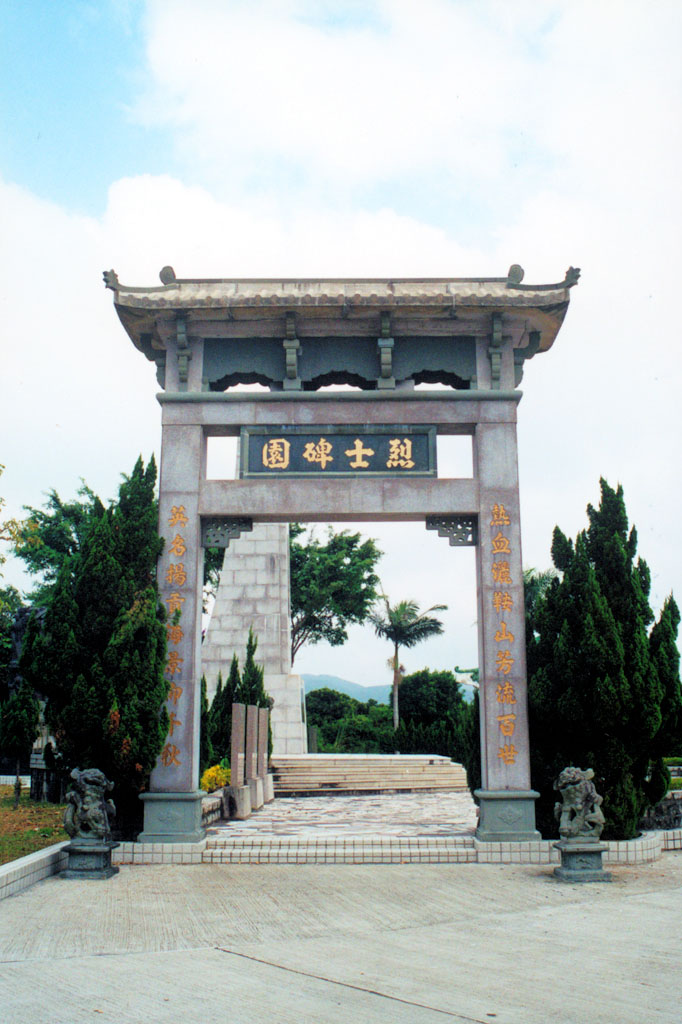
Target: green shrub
215,778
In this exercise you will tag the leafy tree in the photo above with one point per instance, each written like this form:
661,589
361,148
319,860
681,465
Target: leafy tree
10,604
346,725
603,691
333,584
427,697
49,536
349,726
9,528
99,655
327,705
213,564
404,626
368,731
18,729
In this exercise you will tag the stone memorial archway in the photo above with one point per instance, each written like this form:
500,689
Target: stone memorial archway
362,455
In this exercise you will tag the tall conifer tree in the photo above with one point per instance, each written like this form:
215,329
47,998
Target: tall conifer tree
221,710
205,744
252,689
603,692
99,655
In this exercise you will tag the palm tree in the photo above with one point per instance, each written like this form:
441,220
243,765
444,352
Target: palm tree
405,626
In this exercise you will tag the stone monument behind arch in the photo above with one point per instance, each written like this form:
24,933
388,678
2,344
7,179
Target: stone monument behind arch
253,592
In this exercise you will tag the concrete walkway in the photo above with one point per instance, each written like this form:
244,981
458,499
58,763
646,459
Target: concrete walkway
303,944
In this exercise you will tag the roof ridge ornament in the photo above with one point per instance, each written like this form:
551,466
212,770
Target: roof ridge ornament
111,280
515,276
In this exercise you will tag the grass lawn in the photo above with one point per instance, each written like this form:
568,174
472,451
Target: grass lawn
31,827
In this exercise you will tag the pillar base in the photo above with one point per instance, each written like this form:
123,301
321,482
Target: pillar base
268,789
172,818
256,788
581,861
89,860
507,816
240,802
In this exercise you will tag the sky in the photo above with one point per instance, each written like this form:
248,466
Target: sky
257,138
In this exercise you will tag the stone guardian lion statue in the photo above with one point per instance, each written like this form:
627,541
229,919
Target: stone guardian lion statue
579,815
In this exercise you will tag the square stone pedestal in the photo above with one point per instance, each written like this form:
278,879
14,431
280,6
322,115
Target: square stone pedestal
268,789
240,802
507,816
89,860
172,818
581,861
256,787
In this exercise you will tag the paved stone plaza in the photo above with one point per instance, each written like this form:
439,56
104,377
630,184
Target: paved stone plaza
302,944
374,814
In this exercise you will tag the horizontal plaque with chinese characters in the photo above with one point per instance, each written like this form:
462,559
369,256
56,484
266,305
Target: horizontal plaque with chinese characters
339,451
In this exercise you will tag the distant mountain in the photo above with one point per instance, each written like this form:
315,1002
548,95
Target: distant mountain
364,693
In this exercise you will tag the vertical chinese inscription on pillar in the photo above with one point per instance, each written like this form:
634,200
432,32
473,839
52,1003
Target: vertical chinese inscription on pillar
176,577
503,602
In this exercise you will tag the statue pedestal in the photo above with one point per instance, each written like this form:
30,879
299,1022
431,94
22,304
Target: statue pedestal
581,861
89,860
507,816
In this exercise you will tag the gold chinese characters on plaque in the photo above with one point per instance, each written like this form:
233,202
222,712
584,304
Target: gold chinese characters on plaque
502,602
176,577
340,451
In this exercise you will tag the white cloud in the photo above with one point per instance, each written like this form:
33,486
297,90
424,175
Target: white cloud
557,125
255,92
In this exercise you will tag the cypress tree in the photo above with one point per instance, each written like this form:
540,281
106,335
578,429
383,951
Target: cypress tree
214,728
596,696
136,720
205,745
666,657
221,710
100,653
252,689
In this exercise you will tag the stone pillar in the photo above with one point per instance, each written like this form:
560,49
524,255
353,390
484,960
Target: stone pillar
263,738
251,742
263,717
240,792
237,745
507,808
253,781
172,807
254,592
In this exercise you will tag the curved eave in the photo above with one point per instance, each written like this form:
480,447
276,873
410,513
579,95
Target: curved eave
542,307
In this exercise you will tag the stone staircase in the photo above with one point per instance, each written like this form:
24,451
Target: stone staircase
320,774
226,848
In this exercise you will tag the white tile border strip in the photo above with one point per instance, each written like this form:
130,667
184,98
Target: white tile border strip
20,874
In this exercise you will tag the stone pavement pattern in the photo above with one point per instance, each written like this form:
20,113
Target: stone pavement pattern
403,944
374,814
